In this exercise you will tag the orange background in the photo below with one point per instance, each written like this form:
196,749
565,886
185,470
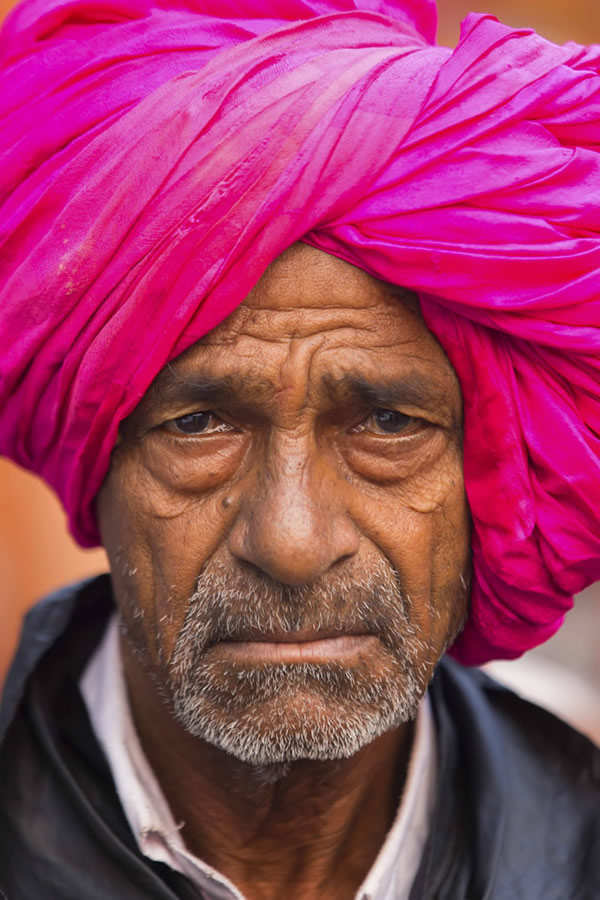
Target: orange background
36,554
559,20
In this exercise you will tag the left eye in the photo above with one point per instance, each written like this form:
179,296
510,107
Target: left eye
205,422
387,421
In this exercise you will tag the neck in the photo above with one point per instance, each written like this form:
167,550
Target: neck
306,829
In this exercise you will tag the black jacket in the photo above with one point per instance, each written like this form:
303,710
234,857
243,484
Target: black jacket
518,797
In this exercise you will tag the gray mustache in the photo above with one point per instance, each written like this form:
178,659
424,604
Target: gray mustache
234,606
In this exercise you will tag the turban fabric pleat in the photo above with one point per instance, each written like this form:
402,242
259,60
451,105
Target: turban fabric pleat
156,158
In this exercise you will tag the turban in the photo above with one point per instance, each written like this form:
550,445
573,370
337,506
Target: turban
155,158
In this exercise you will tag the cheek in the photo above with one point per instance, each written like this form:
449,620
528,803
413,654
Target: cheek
422,527
157,543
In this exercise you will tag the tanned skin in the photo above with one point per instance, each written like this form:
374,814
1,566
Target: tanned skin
296,478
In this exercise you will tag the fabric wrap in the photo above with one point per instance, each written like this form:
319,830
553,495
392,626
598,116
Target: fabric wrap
155,158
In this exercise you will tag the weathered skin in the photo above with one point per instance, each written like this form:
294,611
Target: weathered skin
294,480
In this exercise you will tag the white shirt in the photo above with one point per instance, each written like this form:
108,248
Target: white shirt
159,836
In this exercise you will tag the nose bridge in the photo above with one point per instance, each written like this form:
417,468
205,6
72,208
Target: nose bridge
293,525
294,487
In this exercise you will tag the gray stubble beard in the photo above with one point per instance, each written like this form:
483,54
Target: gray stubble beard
272,714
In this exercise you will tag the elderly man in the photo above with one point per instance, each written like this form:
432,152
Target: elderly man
300,319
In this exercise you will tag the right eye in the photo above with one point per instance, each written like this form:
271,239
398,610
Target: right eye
197,423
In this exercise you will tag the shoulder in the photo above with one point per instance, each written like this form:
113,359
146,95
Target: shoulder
73,615
56,790
524,731
531,783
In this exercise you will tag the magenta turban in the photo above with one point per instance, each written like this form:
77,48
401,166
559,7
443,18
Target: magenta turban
156,157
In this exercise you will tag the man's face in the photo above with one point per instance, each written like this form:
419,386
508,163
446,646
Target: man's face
286,521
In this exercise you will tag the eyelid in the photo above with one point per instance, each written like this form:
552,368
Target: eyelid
222,425
361,427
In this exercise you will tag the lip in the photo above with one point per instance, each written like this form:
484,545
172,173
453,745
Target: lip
297,648
305,635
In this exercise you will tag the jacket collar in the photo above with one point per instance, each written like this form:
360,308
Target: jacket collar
45,624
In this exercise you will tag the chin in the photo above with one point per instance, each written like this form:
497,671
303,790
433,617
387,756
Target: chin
288,714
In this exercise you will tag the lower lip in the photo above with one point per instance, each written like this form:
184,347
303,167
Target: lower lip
333,649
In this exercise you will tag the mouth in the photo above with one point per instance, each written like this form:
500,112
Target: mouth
295,647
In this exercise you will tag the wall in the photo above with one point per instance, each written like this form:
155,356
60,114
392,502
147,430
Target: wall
558,20
36,552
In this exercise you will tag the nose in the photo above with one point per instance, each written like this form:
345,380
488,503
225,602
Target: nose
293,525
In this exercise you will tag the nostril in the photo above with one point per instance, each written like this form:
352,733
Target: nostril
292,566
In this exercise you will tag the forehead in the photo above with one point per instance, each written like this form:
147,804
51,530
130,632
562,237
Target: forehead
315,318
305,291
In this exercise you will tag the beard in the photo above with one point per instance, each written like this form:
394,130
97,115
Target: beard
267,714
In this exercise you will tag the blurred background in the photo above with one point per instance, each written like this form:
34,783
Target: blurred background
37,554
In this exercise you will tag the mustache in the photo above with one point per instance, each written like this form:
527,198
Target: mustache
242,604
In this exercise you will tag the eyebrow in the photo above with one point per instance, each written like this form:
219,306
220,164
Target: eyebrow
205,389
412,389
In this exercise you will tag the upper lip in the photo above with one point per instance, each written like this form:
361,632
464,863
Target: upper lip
296,637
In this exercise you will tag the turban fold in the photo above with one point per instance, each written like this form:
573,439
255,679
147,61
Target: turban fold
156,157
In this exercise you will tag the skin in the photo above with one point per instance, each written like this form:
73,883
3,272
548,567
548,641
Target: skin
293,480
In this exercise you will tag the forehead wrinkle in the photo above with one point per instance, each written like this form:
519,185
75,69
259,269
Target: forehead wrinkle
289,282
197,378
322,329
276,325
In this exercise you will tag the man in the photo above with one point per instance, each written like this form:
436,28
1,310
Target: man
257,273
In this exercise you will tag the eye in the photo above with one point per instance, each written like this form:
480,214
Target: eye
205,422
387,421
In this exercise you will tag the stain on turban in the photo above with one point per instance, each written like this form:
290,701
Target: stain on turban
156,157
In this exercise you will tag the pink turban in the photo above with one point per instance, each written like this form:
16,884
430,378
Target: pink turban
156,157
